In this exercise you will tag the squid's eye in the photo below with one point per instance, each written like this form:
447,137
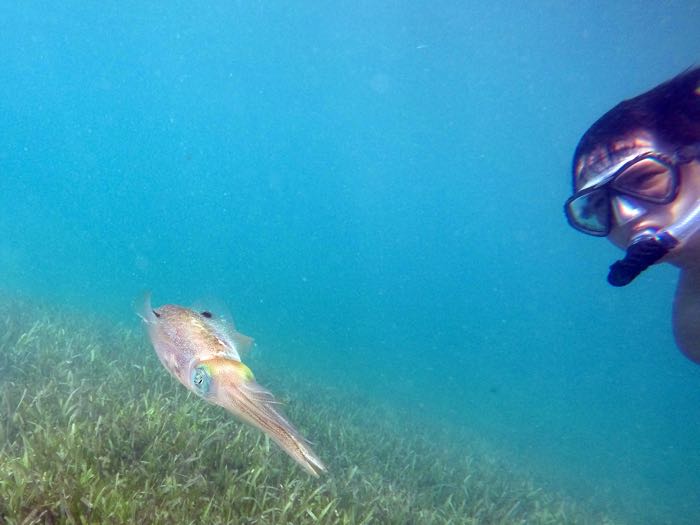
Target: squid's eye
206,314
201,380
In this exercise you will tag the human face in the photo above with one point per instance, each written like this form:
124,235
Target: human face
638,188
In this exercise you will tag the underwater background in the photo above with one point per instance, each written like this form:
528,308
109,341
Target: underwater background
375,191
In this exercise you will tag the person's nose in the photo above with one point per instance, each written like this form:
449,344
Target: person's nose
626,209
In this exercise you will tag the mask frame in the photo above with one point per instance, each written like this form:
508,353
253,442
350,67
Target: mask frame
596,201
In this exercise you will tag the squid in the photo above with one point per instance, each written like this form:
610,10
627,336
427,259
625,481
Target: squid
203,352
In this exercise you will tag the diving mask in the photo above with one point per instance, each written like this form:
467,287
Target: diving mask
651,177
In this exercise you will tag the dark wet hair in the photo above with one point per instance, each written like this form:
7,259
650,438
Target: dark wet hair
670,111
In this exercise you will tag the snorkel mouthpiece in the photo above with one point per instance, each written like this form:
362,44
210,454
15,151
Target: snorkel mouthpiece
640,255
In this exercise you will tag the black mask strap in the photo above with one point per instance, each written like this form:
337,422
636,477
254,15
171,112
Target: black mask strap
640,255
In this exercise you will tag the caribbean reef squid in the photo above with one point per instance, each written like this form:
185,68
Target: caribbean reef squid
203,352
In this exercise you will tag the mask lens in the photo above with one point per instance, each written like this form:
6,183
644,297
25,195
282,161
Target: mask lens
590,212
650,179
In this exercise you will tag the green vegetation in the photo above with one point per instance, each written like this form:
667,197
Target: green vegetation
94,430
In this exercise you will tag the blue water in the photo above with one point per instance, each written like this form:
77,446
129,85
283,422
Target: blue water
375,189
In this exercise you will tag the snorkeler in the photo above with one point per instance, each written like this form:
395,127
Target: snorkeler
636,175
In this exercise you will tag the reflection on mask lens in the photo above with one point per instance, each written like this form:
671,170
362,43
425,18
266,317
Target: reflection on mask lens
590,212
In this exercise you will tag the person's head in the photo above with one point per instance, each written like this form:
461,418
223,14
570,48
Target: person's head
636,171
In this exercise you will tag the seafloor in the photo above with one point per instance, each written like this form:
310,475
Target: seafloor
94,430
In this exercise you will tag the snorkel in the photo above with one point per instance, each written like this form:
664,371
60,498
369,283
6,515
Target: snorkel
644,251
649,247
